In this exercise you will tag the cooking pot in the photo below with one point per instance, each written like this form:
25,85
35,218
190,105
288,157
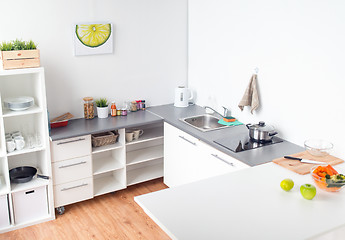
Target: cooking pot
24,174
261,132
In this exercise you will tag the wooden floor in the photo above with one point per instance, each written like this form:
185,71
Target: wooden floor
111,216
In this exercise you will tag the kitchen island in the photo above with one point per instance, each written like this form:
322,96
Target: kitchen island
247,204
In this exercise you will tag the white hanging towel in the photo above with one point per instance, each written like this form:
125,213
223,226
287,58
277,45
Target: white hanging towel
251,96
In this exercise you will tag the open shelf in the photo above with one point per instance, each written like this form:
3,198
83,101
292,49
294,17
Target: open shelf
149,135
145,154
32,110
106,184
25,150
34,183
105,165
107,147
144,173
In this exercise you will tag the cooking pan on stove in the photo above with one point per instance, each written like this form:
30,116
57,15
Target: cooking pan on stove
24,174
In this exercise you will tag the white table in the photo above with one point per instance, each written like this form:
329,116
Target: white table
248,204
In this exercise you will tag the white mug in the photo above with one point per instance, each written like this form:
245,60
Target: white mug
129,136
137,133
20,143
11,145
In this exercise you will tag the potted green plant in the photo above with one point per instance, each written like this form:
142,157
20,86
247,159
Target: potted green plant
19,54
102,107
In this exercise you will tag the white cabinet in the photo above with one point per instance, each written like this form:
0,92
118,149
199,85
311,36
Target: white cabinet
33,125
4,214
72,170
82,172
187,159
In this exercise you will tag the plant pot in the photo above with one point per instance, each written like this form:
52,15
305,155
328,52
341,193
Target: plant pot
102,112
19,59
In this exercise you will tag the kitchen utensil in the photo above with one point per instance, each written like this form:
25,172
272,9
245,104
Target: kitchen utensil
61,121
261,132
24,174
318,147
302,168
304,160
137,133
19,103
182,96
20,143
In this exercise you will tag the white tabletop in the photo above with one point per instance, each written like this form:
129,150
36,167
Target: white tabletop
248,204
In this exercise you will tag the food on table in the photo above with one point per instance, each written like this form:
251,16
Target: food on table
327,178
308,191
287,184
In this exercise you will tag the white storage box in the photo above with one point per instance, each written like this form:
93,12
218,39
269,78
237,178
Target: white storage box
30,205
4,216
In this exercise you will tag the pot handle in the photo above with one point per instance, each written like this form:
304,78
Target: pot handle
43,176
248,125
272,134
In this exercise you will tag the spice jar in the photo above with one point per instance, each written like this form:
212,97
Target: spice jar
134,106
143,105
89,111
113,109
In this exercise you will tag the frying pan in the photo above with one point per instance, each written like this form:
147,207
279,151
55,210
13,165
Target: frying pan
24,174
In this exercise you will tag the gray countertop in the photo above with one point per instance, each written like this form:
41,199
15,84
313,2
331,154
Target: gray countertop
252,157
81,126
171,115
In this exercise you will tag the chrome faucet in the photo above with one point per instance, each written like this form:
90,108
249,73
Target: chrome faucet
227,112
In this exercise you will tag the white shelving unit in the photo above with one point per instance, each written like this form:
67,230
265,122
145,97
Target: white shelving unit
30,122
113,167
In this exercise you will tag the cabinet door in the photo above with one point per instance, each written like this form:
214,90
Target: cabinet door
215,162
180,154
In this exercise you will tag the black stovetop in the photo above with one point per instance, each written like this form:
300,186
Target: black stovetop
243,142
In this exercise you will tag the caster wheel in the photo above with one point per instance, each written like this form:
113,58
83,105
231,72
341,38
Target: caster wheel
60,210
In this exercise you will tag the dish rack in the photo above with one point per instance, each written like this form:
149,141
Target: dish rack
102,139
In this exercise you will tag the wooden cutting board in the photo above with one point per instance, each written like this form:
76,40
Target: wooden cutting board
304,168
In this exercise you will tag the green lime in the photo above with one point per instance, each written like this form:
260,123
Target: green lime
287,184
93,35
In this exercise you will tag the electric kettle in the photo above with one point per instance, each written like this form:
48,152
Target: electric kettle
182,96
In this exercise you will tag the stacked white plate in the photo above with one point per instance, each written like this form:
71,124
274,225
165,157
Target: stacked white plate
19,103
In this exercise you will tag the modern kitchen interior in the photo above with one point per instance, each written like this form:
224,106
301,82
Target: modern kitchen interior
161,119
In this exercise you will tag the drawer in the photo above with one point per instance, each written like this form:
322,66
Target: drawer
4,215
30,205
71,148
72,170
72,192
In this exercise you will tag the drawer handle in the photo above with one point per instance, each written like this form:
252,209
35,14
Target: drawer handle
75,140
221,159
78,186
73,164
188,140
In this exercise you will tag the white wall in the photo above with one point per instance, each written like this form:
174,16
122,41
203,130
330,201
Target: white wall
299,48
150,49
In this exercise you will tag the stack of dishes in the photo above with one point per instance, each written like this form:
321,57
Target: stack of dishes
19,103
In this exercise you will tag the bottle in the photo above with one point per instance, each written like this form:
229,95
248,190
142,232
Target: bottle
89,111
113,109
133,106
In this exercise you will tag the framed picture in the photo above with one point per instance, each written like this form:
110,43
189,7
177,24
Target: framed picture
93,38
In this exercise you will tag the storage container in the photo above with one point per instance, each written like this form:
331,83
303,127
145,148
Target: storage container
30,205
89,108
71,148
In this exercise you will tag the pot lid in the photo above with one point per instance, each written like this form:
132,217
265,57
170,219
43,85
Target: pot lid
261,126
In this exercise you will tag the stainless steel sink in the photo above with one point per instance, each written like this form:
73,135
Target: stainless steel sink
204,122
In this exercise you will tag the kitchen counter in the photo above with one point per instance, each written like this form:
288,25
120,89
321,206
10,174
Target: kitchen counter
248,204
81,126
252,157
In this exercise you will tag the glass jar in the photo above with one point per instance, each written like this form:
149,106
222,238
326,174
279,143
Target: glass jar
89,111
113,109
134,106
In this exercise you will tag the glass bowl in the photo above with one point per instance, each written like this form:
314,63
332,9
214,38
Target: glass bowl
318,147
324,183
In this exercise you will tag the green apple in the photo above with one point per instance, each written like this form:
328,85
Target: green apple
308,191
287,184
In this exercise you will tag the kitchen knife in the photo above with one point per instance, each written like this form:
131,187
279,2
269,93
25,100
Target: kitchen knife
304,160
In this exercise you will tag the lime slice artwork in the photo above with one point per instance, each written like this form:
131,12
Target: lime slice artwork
93,38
